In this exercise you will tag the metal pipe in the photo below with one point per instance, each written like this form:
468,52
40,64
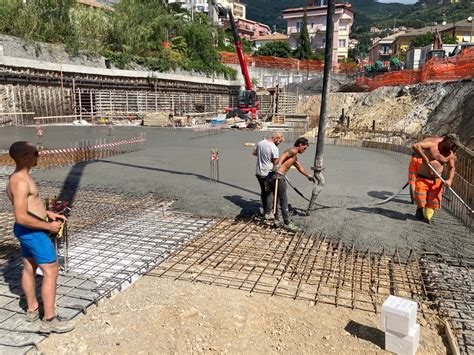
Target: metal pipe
328,58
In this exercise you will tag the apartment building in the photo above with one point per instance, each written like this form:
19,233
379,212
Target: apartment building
316,24
250,30
382,49
239,9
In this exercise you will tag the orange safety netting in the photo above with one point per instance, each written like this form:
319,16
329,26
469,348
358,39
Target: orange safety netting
274,62
287,63
435,70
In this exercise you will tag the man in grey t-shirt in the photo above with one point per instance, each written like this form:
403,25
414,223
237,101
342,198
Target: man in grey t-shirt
267,155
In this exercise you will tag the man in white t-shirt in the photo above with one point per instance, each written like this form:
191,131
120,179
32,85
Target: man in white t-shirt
267,155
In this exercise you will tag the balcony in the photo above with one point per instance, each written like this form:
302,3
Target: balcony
385,52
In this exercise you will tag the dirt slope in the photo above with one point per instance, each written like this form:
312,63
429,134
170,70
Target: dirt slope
418,109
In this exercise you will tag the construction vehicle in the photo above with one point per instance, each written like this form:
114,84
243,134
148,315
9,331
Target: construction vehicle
248,103
437,51
460,47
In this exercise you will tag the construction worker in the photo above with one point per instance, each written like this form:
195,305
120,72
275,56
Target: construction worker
267,154
288,159
435,152
31,228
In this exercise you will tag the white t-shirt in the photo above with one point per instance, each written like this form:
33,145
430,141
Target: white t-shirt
266,152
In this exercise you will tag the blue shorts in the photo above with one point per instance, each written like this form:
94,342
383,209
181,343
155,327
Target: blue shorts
35,244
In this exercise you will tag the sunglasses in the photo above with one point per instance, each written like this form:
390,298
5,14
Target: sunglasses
36,154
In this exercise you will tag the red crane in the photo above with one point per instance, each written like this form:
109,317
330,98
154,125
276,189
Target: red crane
248,102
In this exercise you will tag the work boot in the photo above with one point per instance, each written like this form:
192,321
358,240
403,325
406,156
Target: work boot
56,325
428,214
291,227
277,223
32,316
419,213
269,216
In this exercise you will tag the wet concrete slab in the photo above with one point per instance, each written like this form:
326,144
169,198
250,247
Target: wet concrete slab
175,164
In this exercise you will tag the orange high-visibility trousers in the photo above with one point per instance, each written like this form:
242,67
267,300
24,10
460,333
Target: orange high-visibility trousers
415,163
428,192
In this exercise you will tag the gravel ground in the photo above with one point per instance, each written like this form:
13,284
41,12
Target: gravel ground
161,316
175,163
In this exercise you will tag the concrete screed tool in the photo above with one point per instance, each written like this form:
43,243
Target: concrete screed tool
450,188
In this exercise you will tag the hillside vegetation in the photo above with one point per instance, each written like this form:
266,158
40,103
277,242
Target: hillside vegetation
145,32
368,13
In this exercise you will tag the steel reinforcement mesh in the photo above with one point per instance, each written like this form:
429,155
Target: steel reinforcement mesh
113,239
449,281
251,256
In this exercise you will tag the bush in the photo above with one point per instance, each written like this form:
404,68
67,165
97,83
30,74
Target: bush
134,32
280,49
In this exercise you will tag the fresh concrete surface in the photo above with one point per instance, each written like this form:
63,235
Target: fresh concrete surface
175,163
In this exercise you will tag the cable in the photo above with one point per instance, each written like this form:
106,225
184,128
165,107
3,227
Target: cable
340,206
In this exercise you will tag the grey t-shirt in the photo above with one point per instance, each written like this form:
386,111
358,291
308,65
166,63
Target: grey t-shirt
266,152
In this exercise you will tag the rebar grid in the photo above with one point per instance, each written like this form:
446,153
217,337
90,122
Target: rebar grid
116,252
248,255
114,239
90,205
450,285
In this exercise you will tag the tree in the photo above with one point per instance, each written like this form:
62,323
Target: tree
303,47
279,49
135,31
428,38
90,29
40,20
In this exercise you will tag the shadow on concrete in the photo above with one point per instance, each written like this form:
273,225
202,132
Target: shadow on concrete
384,212
248,207
73,179
361,331
72,182
11,269
199,176
382,195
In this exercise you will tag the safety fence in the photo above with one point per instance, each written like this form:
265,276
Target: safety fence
286,63
463,182
435,70
83,151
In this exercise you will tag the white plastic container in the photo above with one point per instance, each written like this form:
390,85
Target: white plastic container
403,344
399,315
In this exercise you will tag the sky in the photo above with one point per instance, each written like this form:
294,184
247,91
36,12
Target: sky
400,1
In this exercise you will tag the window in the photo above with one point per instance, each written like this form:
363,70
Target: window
299,26
342,28
324,43
342,43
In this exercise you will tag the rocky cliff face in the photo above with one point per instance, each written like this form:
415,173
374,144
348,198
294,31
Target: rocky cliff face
414,110
46,52
455,113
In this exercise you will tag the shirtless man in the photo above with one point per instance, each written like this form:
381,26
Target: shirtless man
435,151
267,155
285,162
37,249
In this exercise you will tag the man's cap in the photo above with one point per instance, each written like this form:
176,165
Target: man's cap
454,138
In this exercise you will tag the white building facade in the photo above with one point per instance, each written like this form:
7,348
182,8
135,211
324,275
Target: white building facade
316,24
239,9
